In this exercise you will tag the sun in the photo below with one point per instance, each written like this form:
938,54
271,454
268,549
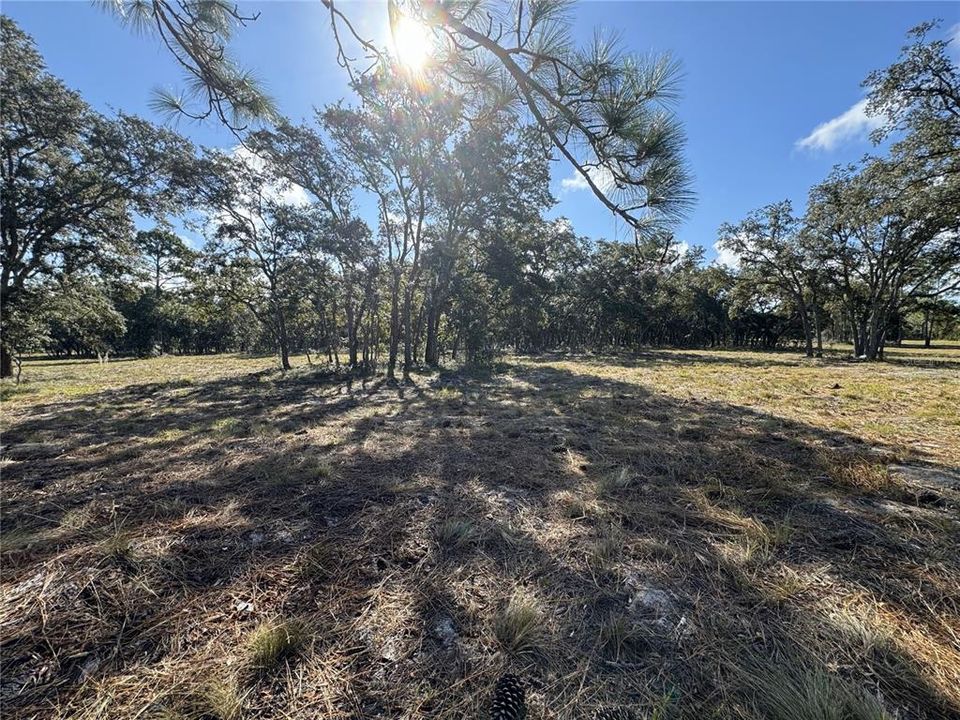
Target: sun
412,43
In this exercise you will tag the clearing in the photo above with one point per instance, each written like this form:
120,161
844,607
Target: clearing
707,534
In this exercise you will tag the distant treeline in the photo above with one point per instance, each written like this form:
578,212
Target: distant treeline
528,293
462,262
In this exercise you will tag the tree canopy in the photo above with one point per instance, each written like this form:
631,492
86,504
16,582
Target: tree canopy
461,257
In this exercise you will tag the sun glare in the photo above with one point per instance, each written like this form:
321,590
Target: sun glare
412,43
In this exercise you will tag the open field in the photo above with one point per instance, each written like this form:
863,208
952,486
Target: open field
690,534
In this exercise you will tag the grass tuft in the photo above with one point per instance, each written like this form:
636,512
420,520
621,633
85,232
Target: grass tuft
620,637
575,508
602,552
318,562
227,426
786,584
456,533
518,626
274,641
619,479
864,474
76,518
118,548
170,435
222,700
792,691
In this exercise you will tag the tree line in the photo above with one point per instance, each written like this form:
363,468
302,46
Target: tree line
462,259
877,252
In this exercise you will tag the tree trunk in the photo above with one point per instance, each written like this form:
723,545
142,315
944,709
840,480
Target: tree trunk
874,333
6,362
807,333
859,330
394,328
336,335
407,333
872,346
283,342
418,334
432,352
352,341
157,322
818,331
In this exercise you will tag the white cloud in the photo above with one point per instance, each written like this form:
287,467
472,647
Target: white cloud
294,195
601,177
854,124
282,191
726,257
575,182
395,221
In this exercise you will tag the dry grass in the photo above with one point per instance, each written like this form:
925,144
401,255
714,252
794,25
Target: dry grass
210,538
518,626
274,641
621,637
790,691
456,533
221,699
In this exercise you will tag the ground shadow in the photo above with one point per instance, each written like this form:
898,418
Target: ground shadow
399,522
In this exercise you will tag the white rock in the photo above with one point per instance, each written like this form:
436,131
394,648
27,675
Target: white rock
444,631
648,598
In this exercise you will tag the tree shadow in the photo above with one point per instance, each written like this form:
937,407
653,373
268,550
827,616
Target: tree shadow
173,507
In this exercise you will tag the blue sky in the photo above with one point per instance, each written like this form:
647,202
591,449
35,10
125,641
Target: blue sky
769,101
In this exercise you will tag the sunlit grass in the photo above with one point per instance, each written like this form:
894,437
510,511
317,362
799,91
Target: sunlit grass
908,400
586,519
62,379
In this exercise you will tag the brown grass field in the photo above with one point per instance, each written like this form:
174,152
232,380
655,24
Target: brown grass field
687,534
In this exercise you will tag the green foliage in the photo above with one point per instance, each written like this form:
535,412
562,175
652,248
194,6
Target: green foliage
605,111
197,33
883,243
71,178
920,93
776,259
462,264
25,330
83,318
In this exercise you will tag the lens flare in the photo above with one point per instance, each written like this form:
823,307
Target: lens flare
412,43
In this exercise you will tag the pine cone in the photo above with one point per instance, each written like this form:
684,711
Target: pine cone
614,713
508,699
